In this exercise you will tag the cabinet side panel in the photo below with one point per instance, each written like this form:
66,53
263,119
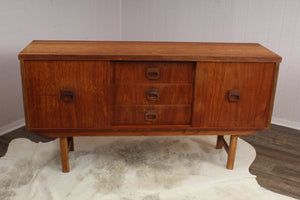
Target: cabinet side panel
89,80
273,94
212,108
24,91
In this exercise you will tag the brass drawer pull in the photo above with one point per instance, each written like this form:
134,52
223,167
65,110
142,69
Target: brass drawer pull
150,115
152,94
152,73
234,95
67,96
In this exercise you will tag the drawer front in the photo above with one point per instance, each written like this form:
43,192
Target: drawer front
152,72
151,94
151,115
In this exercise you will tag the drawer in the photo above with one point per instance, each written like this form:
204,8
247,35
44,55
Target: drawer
151,94
152,72
234,96
151,115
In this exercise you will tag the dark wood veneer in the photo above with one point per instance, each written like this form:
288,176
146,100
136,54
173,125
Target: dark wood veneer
166,114
215,80
147,51
46,79
169,72
137,93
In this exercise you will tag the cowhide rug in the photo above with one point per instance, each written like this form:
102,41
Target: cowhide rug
129,168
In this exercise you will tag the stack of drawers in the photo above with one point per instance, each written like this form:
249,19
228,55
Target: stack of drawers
146,93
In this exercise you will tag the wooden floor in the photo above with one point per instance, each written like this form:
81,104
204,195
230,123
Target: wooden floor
277,164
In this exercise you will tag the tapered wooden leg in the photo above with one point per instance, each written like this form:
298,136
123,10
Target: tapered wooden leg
231,152
70,143
219,142
64,154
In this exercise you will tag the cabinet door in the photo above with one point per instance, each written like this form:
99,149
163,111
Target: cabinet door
66,94
252,82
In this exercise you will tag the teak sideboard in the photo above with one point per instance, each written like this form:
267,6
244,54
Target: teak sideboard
111,88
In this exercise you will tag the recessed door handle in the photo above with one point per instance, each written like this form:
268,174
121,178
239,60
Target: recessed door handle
67,96
152,94
234,95
152,73
150,115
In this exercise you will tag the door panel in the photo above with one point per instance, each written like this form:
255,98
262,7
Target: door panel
212,109
89,80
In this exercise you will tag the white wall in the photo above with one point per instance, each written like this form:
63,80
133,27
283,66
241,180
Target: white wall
22,21
273,23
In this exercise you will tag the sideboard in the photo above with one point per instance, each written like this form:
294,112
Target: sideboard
120,88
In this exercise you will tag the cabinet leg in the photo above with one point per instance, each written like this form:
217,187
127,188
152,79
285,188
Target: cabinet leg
70,143
231,151
219,142
64,154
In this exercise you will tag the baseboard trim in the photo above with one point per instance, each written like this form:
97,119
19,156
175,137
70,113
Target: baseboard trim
286,123
12,126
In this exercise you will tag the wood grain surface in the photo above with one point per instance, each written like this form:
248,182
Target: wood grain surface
166,51
213,82
169,72
140,130
44,81
166,114
273,94
137,94
232,151
64,152
277,159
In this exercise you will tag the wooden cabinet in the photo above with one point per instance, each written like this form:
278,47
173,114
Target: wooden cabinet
76,88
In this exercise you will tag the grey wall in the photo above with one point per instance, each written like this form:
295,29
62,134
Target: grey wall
273,23
22,21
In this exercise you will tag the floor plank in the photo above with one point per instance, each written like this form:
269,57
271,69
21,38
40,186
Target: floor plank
277,163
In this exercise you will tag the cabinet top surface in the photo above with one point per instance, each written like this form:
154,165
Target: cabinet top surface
147,51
